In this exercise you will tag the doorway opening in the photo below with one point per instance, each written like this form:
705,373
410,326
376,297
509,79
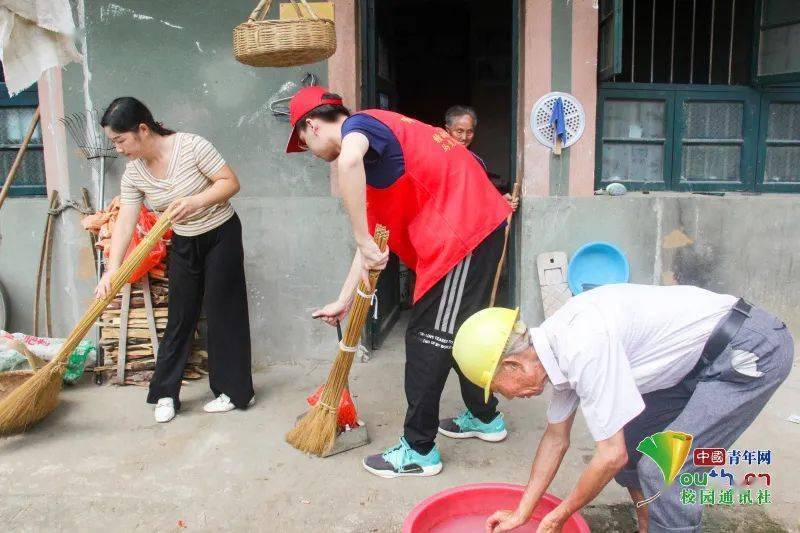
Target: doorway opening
420,57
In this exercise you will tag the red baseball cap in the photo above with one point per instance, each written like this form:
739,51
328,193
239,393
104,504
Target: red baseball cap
302,102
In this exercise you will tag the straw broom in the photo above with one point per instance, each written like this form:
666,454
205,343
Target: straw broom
38,396
316,431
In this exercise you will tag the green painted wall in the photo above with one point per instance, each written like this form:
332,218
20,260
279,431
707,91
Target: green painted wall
177,57
561,80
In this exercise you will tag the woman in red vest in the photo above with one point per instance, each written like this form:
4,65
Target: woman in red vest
446,223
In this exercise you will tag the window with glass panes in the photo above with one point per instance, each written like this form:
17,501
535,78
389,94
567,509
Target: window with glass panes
15,118
779,41
689,106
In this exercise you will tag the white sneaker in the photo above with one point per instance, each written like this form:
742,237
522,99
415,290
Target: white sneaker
165,410
223,404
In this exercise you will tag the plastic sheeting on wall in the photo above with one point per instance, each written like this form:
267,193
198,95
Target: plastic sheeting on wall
35,36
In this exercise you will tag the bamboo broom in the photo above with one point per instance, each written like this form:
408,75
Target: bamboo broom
316,432
38,396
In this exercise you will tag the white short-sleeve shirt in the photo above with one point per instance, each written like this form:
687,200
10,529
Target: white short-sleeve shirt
606,347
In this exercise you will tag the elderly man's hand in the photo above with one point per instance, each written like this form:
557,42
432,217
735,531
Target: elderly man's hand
504,521
514,203
551,523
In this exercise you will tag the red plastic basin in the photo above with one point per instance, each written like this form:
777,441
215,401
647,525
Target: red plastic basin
465,509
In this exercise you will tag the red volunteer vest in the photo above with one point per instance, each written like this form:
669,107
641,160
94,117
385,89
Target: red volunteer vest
441,208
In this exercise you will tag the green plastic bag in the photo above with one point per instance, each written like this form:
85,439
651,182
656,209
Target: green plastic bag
12,360
77,361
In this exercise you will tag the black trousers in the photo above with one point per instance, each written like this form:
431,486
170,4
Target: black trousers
429,342
210,265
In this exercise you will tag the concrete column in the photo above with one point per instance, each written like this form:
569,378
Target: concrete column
584,88
343,71
51,105
536,74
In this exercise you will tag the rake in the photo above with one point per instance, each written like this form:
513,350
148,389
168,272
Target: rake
93,145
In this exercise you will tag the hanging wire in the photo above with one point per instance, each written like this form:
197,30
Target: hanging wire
691,54
633,44
672,45
279,102
730,46
652,41
711,42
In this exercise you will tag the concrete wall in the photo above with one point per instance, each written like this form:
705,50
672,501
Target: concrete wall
177,57
741,245
22,222
180,62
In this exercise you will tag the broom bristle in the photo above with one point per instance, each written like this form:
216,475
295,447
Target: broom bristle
315,433
36,398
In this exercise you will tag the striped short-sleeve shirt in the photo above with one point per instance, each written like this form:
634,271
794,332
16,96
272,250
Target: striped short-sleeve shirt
193,161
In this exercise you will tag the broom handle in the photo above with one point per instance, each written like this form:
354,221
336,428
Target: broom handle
501,262
119,279
356,322
42,255
337,377
12,174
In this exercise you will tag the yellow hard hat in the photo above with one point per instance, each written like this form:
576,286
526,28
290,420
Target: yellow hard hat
479,343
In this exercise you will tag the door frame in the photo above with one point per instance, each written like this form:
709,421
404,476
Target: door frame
366,90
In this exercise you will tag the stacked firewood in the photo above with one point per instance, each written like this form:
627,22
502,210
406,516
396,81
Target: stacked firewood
140,358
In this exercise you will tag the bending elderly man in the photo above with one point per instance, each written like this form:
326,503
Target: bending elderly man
638,360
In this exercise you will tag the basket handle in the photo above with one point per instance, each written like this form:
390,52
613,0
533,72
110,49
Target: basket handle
261,10
308,7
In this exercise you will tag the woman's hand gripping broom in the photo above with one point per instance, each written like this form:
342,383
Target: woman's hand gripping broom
38,396
316,432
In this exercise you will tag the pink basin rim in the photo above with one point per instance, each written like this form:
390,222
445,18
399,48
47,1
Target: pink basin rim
416,518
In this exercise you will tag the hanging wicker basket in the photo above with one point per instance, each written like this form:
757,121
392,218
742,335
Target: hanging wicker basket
283,43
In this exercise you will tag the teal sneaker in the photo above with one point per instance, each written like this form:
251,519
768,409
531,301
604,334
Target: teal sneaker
402,461
466,425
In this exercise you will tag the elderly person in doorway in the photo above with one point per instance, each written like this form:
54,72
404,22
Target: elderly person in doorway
460,122
638,360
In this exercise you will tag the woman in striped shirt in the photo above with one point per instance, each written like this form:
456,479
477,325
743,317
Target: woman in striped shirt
185,173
